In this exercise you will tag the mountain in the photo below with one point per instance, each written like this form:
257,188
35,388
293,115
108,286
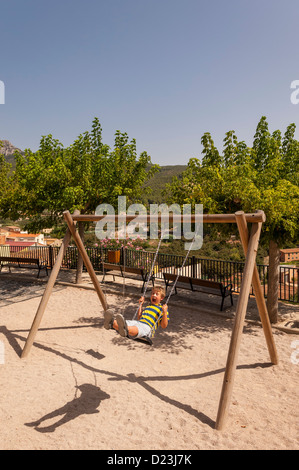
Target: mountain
158,182
8,150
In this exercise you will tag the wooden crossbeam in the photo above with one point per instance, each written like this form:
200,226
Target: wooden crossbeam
258,216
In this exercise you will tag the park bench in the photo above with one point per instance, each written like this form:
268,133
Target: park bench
126,272
200,285
23,262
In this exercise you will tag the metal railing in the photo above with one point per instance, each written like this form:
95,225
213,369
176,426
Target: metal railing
228,272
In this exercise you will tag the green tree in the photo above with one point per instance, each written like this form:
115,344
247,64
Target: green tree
262,177
5,179
81,176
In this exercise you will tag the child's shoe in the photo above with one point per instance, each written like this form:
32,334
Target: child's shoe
122,325
108,319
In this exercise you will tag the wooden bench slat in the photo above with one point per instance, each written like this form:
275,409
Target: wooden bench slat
124,270
111,266
22,262
217,288
133,270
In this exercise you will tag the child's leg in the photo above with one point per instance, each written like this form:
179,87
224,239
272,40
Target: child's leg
132,330
121,326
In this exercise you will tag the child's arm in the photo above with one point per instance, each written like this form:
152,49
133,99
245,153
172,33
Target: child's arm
139,312
164,321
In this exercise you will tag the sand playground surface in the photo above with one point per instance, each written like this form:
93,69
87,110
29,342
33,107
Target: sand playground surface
83,387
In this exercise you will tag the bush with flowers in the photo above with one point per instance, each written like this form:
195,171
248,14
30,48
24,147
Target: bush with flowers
136,255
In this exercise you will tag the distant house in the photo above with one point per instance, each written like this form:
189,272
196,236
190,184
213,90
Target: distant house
34,238
289,254
15,237
53,241
13,228
4,231
17,247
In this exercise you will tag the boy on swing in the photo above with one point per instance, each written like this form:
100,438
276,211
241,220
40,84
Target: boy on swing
148,319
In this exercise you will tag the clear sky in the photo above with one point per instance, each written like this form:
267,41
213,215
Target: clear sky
164,71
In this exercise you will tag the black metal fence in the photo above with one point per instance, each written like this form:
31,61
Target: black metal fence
228,272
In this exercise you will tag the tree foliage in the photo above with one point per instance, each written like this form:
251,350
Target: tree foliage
5,177
264,177
81,176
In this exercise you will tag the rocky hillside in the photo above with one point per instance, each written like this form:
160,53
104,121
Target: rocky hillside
7,149
159,181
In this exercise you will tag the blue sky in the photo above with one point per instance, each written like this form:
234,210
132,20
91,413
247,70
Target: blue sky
164,71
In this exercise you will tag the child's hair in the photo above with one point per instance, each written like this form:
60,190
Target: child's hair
159,289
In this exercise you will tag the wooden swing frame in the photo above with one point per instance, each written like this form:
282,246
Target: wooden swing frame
250,241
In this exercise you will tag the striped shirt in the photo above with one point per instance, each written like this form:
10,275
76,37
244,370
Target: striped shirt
150,316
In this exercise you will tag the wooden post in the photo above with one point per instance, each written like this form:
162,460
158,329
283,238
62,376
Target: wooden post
258,292
46,295
86,260
234,347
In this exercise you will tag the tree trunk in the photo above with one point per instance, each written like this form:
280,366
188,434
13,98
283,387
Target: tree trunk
273,281
80,259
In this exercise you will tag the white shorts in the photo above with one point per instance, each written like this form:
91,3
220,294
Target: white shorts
143,328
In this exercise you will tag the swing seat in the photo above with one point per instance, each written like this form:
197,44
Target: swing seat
143,339
147,340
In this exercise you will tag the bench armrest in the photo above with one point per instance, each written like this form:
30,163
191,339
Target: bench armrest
228,287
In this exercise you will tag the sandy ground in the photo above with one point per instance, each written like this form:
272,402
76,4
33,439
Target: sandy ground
83,387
